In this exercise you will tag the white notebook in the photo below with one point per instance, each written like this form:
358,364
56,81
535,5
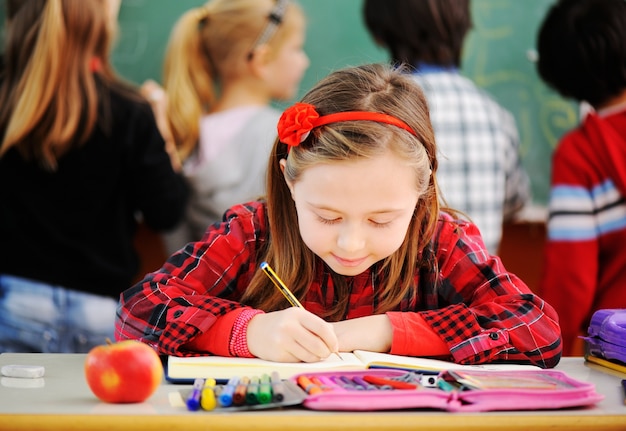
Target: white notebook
222,368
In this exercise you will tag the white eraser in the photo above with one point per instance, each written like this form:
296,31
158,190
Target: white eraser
23,371
16,382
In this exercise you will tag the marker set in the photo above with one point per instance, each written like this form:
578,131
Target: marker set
243,393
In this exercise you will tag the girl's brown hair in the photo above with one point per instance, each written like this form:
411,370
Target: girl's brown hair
375,88
207,45
49,97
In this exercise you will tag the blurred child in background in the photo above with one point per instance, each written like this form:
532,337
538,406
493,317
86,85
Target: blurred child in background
480,170
582,54
225,62
81,157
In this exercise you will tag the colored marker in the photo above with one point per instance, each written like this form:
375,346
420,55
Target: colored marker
353,383
358,381
278,388
319,383
193,401
329,384
226,396
239,397
381,381
252,392
208,401
309,387
343,382
265,390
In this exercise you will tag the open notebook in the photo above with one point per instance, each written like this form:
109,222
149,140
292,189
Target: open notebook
222,368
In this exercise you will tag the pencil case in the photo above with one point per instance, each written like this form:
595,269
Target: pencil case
607,334
454,391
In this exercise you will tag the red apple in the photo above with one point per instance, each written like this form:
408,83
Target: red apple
125,372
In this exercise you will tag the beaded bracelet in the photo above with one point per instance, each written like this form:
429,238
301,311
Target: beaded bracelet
238,345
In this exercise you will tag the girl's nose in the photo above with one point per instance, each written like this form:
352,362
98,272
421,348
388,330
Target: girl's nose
351,238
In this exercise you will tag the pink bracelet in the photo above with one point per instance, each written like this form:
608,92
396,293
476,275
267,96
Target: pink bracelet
238,345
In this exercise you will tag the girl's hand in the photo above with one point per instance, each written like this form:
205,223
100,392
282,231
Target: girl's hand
373,333
290,335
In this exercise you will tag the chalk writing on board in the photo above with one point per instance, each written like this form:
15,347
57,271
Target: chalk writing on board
500,57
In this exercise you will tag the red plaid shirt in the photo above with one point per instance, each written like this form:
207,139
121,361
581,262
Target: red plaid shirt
482,312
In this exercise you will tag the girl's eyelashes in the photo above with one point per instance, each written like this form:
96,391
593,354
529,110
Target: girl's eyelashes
380,224
374,223
328,221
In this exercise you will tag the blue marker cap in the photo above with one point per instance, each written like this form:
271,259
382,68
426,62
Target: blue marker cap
193,401
226,396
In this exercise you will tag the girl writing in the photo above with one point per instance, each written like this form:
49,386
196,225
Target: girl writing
352,224
226,61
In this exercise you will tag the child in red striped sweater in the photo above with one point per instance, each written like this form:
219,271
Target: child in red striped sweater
582,54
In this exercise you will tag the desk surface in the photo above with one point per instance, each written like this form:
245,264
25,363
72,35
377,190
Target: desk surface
62,400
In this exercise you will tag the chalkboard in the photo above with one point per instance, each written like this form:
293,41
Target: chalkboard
499,56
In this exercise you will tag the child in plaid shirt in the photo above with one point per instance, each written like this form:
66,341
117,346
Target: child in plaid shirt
352,223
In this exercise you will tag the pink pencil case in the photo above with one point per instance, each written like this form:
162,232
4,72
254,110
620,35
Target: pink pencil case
454,391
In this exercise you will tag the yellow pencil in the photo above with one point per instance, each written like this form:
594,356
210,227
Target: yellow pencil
281,286
267,269
606,363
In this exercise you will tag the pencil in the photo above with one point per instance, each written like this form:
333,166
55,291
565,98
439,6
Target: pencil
281,286
267,269
605,363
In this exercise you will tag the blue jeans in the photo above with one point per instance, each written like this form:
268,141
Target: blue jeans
42,318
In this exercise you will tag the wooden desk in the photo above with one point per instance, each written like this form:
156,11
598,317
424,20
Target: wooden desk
64,401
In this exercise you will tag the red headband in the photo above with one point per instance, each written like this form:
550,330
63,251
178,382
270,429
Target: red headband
298,120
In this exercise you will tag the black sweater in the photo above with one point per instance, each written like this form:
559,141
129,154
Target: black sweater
74,227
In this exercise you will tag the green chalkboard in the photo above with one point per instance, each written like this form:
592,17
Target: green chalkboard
498,56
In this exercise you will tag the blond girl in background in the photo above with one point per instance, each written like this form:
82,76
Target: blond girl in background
226,62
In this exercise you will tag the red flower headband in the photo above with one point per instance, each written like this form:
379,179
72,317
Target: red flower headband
298,120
